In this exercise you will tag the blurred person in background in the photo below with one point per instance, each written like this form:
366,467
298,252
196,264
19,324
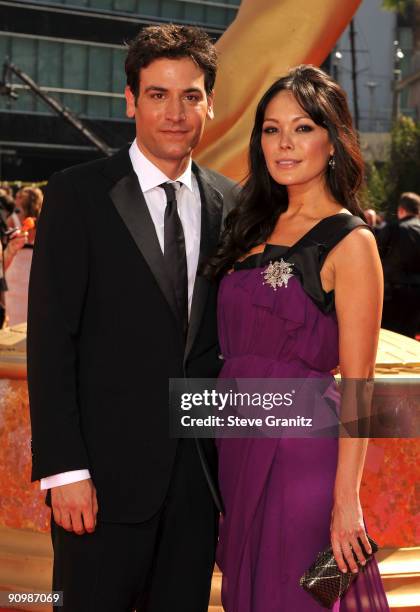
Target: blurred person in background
6,189
370,216
371,220
380,221
10,244
8,208
399,247
29,202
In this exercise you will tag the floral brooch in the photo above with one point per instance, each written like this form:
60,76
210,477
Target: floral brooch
277,273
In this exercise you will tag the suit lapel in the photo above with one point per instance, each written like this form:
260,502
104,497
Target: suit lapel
129,201
211,219
130,204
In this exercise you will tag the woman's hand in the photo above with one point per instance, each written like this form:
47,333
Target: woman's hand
346,526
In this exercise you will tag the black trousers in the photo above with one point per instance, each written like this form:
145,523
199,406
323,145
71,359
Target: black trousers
162,565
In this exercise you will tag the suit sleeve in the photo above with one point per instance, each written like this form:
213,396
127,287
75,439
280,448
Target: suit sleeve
57,288
231,192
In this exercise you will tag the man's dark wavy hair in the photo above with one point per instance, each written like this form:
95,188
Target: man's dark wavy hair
261,200
172,42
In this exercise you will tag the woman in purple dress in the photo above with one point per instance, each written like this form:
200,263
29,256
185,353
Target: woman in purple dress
287,499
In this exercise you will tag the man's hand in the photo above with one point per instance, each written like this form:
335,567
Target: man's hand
75,506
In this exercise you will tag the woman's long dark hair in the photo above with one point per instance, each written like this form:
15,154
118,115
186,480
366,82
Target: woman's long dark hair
261,200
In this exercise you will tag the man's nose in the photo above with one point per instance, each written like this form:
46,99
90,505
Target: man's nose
175,110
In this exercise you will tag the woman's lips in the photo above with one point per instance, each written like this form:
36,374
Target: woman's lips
287,163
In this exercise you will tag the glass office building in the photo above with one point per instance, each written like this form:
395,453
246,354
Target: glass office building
74,50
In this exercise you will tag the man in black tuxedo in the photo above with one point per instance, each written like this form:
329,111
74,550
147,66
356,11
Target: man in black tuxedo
399,247
115,310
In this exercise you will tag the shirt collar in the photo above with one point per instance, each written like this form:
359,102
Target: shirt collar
150,176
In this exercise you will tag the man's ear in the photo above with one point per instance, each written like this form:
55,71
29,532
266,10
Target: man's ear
130,103
210,107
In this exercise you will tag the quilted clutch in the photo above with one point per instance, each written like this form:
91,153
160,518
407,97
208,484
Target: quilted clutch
324,580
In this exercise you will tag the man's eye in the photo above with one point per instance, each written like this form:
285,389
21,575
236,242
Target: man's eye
304,128
192,98
270,130
157,96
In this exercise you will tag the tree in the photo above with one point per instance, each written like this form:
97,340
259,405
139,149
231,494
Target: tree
404,164
399,6
400,172
376,194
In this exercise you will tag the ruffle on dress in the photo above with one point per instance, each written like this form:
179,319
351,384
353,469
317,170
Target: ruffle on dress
305,332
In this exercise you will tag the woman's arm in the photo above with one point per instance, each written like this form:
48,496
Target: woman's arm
358,287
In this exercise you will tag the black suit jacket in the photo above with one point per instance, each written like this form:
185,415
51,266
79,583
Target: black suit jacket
399,247
104,337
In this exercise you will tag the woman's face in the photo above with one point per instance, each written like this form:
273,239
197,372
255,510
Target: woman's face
295,148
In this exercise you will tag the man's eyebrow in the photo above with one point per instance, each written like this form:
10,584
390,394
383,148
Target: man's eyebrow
155,88
164,89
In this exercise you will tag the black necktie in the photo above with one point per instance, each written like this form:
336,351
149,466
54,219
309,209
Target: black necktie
174,253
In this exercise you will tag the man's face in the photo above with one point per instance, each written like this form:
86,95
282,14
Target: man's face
171,109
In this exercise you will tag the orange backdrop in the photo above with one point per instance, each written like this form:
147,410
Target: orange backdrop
266,39
388,493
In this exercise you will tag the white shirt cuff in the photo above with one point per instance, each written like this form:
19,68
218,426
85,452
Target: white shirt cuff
64,478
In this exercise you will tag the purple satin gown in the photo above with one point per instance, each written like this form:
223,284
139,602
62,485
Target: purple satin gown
278,492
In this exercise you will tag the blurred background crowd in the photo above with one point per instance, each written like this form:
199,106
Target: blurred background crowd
16,206
62,103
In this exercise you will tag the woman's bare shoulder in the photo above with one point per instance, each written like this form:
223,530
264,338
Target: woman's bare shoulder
357,250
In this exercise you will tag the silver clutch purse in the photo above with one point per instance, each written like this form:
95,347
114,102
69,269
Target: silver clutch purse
326,582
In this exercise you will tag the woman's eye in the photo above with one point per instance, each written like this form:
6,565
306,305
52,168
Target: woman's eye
304,128
270,130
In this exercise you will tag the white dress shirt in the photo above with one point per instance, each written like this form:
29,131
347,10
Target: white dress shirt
189,210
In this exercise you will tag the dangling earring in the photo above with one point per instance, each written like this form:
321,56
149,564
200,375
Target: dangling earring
331,162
